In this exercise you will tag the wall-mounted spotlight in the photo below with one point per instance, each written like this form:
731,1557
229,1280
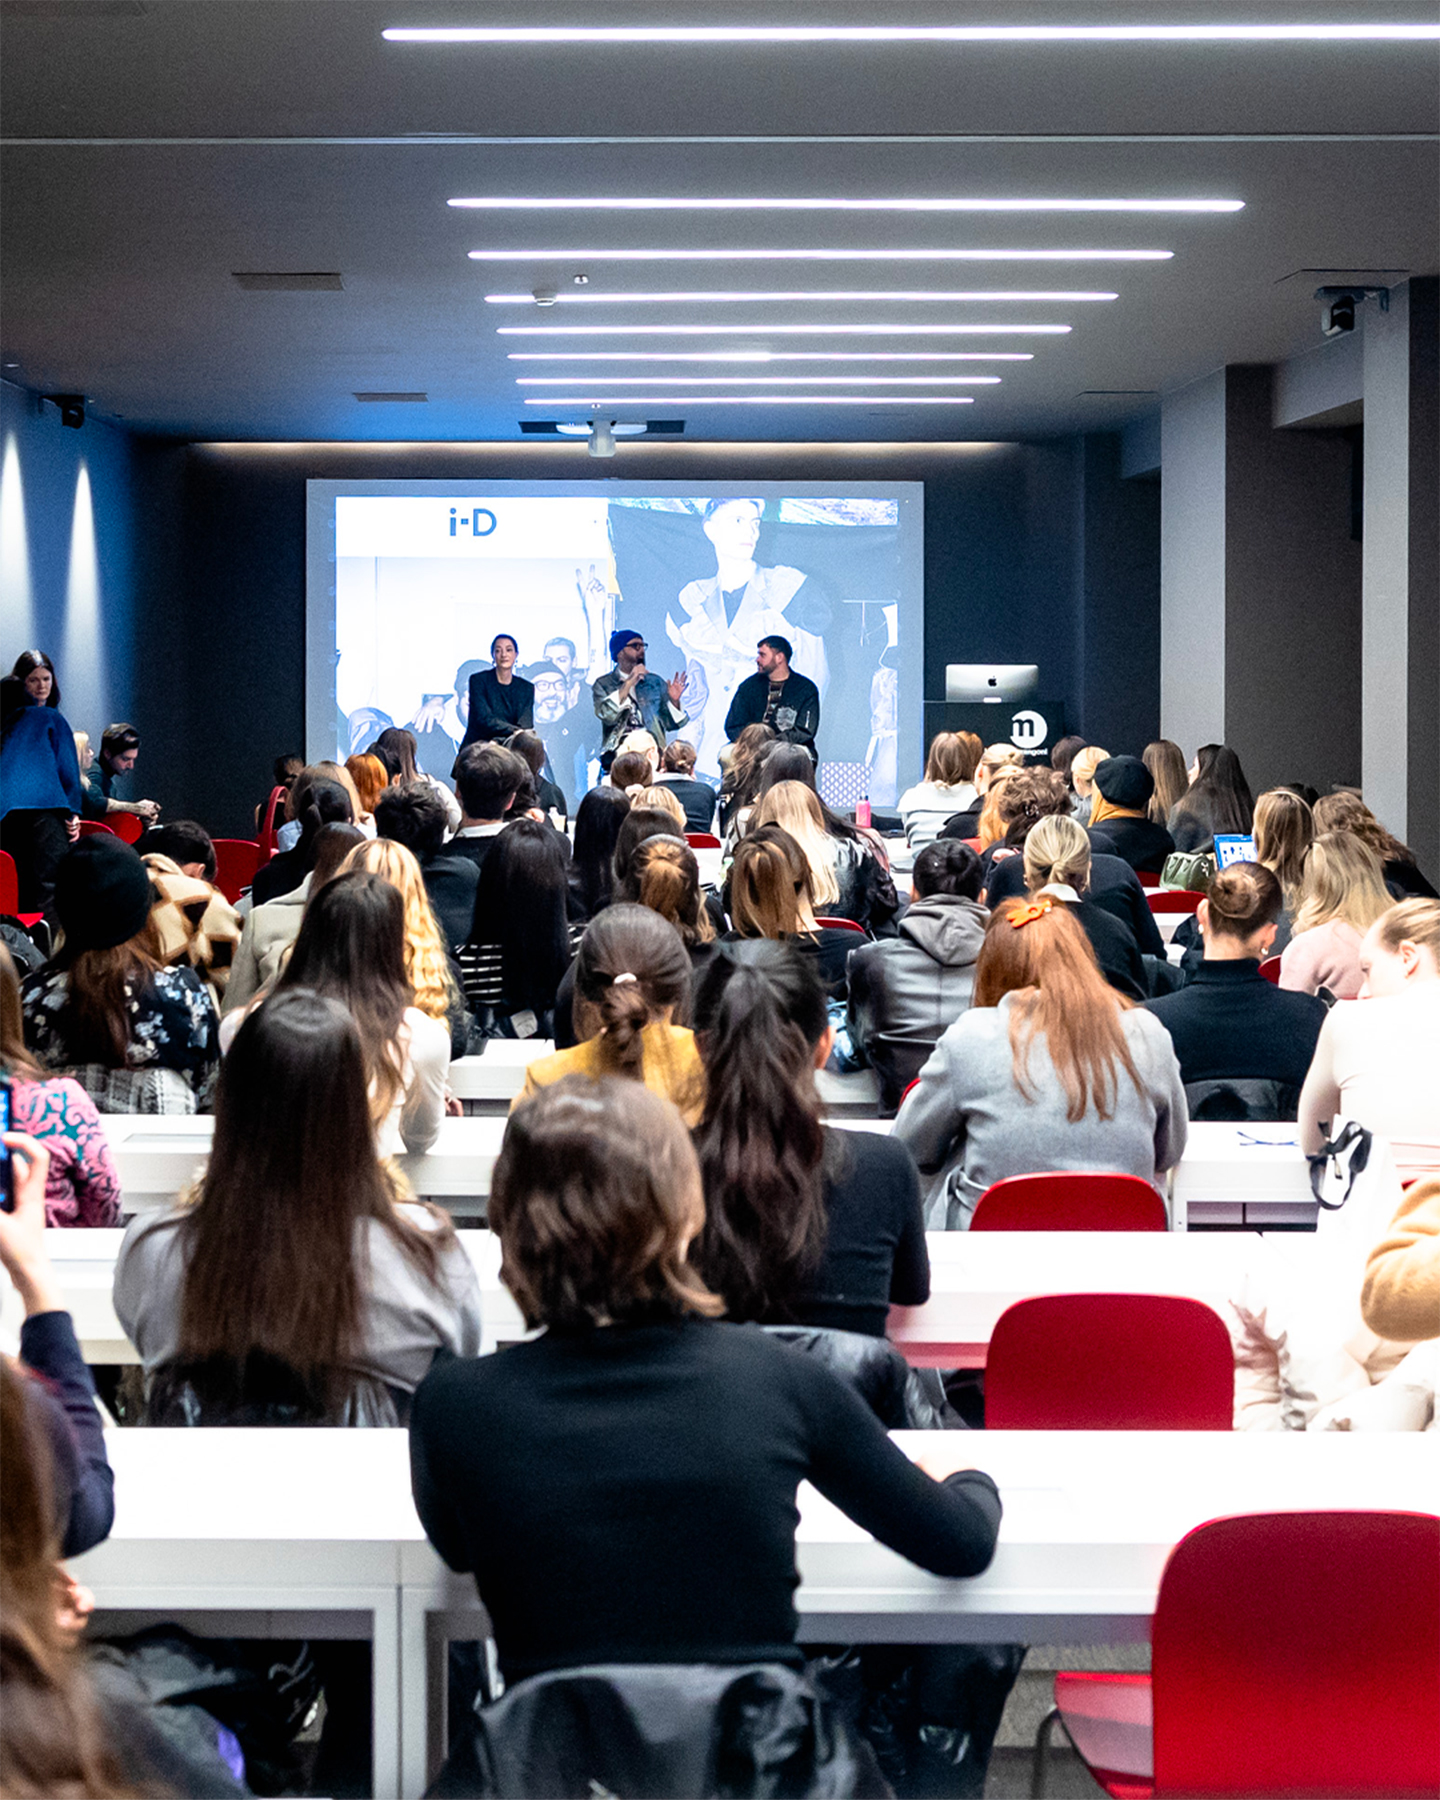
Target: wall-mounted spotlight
1337,306
72,409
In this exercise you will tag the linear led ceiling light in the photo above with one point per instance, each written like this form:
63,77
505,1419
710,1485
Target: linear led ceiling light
869,295
772,330
910,34
712,254
754,400
768,356
789,203
766,380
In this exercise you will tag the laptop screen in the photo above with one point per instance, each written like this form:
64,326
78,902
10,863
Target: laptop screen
1232,850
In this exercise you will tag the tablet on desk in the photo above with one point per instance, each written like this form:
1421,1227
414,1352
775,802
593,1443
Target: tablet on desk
1233,849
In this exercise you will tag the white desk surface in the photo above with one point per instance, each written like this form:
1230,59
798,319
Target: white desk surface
1244,1174
494,1077
974,1276
317,1522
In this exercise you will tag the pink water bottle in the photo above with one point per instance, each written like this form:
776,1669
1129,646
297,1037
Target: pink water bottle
862,814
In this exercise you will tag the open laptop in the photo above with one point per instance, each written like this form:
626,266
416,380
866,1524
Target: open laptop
1233,849
969,683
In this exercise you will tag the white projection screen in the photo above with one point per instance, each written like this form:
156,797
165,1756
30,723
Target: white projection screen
408,582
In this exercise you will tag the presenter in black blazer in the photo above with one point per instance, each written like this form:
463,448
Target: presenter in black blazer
501,702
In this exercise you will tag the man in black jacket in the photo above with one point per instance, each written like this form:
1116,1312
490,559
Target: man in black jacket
905,990
776,696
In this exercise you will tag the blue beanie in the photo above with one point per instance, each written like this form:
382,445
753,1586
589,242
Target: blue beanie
618,641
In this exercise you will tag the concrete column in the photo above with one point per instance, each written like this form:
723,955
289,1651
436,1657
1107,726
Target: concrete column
1401,579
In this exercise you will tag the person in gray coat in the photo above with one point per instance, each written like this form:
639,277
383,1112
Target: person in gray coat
1049,1068
905,990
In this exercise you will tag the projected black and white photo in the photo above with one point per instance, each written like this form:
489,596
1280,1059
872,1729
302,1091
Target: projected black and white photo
425,577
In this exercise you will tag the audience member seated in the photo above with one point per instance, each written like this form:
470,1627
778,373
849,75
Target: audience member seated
632,1011
904,991
284,772
1166,763
411,814
271,929
803,1224
529,746
316,801
1378,1063
1342,894
993,761
1284,830
119,753
990,825
1401,1298
948,787
1017,803
433,974
1048,1069
1114,885
401,744
661,799
523,942
351,948
1244,1046
744,763
598,819
623,1486
487,778
1120,822
136,1036
1083,765
1347,812
664,875
697,798
298,1283
1218,800
194,923
847,880
1057,863
1064,754
769,896
632,771
371,779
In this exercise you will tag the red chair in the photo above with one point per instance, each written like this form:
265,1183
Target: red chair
840,925
9,885
1270,969
1147,878
1070,1200
702,840
1173,900
93,828
127,826
274,819
1292,1653
236,860
1109,1362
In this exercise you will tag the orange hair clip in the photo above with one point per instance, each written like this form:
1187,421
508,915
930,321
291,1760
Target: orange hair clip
1027,915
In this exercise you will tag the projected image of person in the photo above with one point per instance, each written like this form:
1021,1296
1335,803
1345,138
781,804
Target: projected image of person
570,732
776,696
725,613
440,721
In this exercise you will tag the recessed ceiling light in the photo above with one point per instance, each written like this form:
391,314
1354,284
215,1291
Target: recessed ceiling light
797,203
768,356
908,34
758,400
768,380
869,295
771,330
713,254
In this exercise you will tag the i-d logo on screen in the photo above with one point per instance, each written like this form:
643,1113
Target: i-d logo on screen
1028,730
479,522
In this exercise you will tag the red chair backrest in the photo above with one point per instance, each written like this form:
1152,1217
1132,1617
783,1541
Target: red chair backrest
93,828
127,826
840,925
1109,1362
9,885
274,807
236,861
1270,969
1299,1653
1173,900
1147,878
702,840
1070,1200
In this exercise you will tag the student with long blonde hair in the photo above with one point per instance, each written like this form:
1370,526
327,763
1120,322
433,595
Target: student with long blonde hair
794,808
663,801
1048,1069
1342,895
427,959
992,824
1284,830
1082,778
770,897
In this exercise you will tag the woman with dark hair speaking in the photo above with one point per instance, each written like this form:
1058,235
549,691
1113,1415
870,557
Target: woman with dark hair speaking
501,702
803,1224
623,1486
297,1260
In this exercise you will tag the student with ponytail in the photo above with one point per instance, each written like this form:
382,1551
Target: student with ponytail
803,1224
632,1011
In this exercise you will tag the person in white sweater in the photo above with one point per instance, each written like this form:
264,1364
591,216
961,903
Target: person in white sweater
1378,1057
296,1273
948,787
1049,1069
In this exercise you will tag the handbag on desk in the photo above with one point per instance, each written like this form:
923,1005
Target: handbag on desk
1338,1163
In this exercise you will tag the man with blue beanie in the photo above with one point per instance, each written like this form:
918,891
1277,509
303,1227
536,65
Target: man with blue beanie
630,698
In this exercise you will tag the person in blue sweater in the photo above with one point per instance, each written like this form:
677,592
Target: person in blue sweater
40,792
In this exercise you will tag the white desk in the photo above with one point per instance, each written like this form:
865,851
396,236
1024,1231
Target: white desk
487,1083
1243,1175
289,1531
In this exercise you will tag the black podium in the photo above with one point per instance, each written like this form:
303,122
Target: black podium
1034,726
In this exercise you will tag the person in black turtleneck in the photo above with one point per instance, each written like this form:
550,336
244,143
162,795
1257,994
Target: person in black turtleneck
1230,1024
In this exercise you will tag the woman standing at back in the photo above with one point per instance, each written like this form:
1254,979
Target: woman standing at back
1049,1069
803,1224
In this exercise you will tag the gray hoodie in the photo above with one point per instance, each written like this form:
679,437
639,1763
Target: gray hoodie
906,990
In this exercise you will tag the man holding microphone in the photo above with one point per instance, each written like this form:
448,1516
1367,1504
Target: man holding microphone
630,698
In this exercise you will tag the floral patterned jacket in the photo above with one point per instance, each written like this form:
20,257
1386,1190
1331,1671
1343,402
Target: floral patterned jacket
82,1187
